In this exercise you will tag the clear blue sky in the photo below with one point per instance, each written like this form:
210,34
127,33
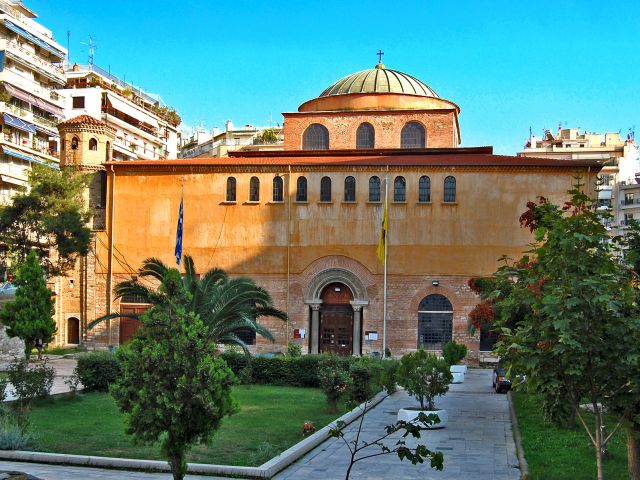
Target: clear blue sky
508,65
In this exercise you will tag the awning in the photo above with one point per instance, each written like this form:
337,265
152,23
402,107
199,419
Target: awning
133,112
28,158
604,194
12,180
51,132
41,43
124,151
33,100
18,123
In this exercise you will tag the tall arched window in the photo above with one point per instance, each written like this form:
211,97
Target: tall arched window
254,189
374,189
399,189
231,189
450,189
301,190
413,136
424,189
278,189
74,143
108,152
325,189
435,322
365,136
93,144
315,137
349,189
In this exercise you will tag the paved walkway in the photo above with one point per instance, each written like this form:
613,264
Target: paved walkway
477,443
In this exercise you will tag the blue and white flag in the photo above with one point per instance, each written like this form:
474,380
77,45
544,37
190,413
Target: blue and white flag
178,251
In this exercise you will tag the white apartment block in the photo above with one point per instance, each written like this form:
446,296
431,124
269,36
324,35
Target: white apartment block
145,129
30,73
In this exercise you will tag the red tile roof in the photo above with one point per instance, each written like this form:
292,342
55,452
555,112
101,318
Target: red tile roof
86,119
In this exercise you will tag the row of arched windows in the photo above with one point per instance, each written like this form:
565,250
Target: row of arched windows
316,136
349,194
93,143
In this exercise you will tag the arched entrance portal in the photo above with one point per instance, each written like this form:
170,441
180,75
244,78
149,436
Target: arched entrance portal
336,320
73,331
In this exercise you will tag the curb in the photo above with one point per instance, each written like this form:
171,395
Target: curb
517,437
266,470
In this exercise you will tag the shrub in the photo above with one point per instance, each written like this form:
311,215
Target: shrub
334,380
361,388
389,377
294,350
97,370
12,434
3,389
425,376
453,352
30,382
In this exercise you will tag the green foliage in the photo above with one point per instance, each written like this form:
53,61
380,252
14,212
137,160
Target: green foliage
453,352
361,382
226,306
389,376
3,389
425,376
172,387
97,370
50,216
13,434
334,380
294,350
30,381
30,315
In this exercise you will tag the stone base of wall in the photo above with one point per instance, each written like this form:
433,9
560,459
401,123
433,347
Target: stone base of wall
10,349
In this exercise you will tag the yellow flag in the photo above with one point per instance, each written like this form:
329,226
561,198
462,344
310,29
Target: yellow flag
383,235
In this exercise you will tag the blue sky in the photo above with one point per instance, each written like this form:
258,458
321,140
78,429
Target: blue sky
509,65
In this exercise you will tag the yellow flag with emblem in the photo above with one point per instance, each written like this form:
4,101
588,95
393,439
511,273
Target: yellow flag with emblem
383,235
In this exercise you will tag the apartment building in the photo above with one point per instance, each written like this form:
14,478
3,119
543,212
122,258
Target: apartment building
145,128
31,70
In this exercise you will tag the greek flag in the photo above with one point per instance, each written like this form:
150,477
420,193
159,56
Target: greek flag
178,251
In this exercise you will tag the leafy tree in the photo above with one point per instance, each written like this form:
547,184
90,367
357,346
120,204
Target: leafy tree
50,218
568,316
226,306
425,376
172,386
30,315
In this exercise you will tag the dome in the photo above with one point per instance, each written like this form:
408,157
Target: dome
379,80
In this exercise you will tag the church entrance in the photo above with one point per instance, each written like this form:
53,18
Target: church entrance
336,320
73,331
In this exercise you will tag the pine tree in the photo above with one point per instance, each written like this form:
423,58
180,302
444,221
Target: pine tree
30,315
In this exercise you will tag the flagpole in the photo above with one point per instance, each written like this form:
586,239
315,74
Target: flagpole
384,294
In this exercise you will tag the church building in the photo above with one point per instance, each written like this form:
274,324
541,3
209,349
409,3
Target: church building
305,222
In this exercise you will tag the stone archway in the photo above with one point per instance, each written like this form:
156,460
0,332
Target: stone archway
313,296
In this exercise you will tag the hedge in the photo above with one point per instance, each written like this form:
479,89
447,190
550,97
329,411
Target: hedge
96,371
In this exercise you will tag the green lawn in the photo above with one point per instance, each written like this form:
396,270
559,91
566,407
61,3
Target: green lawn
558,453
269,421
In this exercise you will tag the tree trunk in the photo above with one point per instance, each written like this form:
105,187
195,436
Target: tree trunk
633,451
599,439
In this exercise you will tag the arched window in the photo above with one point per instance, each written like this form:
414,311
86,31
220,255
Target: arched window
247,336
424,189
413,136
325,189
231,189
450,189
315,137
435,322
374,189
93,144
349,189
399,190
278,189
301,191
365,136
108,152
254,189
74,143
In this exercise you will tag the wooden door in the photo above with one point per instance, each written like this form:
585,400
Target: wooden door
129,326
73,331
336,329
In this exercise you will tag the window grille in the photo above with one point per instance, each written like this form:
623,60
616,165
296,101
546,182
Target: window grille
450,189
349,189
413,136
435,322
400,190
365,136
374,189
301,191
424,189
231,189
315,137
325,189
278,189
254,189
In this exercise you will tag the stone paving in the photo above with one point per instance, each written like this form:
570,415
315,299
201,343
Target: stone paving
477,442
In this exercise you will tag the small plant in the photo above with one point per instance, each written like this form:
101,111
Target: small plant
245,376
73,382
387,353
97,370
308,428
13,435
3,389
389,376
415,455
334,381
361,376
294,350
30,382
425,376
453,352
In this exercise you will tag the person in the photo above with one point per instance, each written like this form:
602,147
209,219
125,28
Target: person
39,345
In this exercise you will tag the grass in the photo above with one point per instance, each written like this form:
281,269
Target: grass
555,453
269,421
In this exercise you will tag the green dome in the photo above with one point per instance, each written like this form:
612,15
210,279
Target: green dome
379,80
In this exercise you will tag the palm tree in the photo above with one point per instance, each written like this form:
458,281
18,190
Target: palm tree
227,306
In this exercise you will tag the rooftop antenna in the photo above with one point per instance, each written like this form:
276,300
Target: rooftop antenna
92,47
68,47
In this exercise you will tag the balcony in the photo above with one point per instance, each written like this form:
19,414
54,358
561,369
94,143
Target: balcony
32,149
625,202
22,55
